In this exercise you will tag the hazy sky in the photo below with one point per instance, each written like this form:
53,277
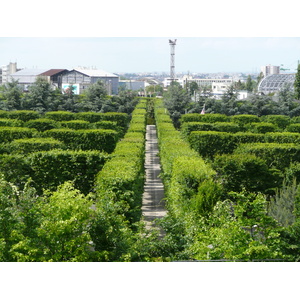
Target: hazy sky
149,54
132,36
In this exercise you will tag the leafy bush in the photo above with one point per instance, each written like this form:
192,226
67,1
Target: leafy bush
207,118
49,169
242,120
26,146
280,121
8,134
261,127
42,124
76,124
293,128
60,115
23,115
245,171
89,139
11,122
276,155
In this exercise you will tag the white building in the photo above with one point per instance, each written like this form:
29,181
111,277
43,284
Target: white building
7,71
270,70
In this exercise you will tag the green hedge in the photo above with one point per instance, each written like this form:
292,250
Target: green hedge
42,124
8,134
261,127
242,120
188,180
211,143
279,120
29,145
245,171
122,178
23,115
293,128
90,139
207,118
60,115
49,169
11,122
76,124
276,155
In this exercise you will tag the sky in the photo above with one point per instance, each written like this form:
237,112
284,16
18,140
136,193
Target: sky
152,54
126,36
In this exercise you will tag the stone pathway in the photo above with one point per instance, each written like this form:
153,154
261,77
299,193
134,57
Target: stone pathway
153,204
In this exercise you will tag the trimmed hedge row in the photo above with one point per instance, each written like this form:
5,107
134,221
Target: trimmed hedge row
49,169
276,155
122,178
90,139
188,180
8,134
211,143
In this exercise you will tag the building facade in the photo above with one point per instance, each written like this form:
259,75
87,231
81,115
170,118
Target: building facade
6,71
270,70
83,78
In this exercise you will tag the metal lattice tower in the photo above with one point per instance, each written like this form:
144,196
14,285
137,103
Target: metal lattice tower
172,65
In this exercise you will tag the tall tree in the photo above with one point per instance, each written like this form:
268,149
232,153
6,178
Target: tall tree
41,96
297,83
13,96
94,97
177,101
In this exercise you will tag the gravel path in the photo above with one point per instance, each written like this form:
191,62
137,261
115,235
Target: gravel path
153,204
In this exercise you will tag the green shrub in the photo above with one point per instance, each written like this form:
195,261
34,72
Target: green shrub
11,122
8,134
210,143
245,171
276,155
107,125
91,117
227,127
60,115
242,120
282,137
122,178
89,139
42,124
261,127
76,124
207,118
280,121
23,115
25,146
293,128
49,169
15,169
192,187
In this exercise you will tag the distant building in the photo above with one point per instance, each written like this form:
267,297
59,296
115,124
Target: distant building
6,71
54,76
270,70
26,77
134,85
273,83
82,78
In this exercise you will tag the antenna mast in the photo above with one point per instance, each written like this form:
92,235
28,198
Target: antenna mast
172,65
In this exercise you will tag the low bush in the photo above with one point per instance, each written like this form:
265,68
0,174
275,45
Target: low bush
276,155
90,139
11,122
60,115
293,128
261,127
49,169
206,118
8,134
245,171
42,124
76,124
26,146
243,120
280,121
23,115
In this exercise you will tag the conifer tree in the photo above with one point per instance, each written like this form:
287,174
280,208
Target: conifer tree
297,83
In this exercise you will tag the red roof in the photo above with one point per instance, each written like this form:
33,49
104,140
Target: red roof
52,72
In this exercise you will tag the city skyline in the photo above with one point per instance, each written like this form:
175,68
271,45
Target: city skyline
152,54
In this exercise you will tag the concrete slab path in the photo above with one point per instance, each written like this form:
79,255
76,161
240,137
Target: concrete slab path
153,204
